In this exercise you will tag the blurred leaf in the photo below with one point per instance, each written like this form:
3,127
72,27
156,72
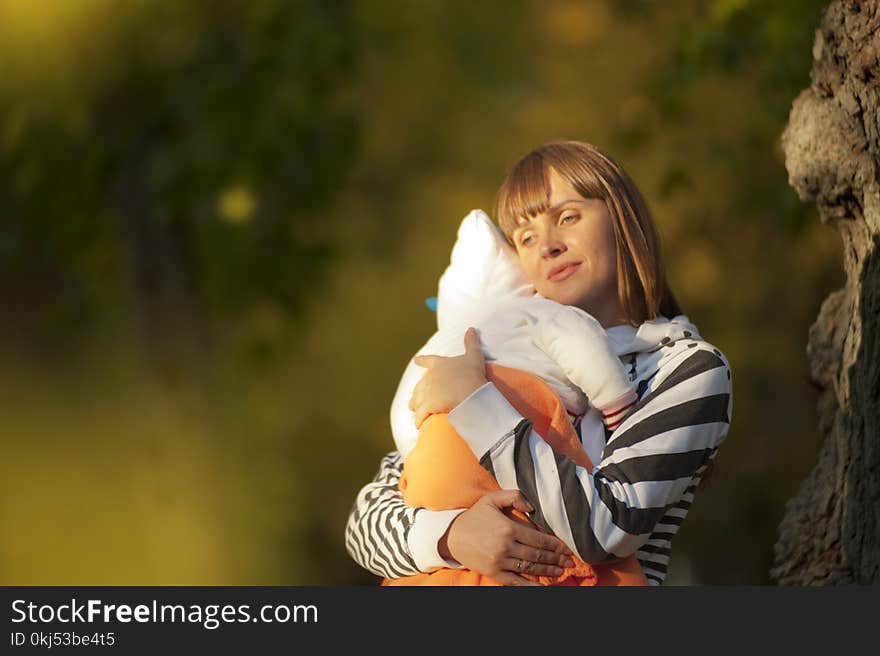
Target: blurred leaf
175,104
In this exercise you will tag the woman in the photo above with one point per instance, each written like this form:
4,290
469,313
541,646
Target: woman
583,237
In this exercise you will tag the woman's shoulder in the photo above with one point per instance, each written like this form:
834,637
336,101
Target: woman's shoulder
683,354
686,347
695,366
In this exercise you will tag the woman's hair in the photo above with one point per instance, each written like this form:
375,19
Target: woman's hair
641,281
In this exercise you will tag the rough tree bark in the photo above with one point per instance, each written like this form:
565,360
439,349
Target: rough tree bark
830,533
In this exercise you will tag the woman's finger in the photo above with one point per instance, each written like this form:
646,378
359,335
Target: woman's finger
523,566
528,543
533,538
416,398
539,557
420,415
472,349
417,403
426,361
512,498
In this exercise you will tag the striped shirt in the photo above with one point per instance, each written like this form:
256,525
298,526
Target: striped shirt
633,501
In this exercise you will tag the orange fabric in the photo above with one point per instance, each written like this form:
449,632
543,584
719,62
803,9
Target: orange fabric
442,473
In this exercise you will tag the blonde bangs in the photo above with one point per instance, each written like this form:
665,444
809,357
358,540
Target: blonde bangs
524,193
526,190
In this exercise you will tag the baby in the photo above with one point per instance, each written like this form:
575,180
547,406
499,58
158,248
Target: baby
560,344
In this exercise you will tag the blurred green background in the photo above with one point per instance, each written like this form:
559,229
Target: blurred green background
219,221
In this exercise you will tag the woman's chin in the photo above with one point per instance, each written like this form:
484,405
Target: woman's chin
562,294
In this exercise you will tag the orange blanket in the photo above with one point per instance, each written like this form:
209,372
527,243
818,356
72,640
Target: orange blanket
442,473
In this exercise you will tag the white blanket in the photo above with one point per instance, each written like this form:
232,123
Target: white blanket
484,287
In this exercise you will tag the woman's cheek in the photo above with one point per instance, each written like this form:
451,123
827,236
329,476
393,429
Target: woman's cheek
531,270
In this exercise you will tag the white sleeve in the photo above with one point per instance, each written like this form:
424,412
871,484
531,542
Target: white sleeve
387,537
424,536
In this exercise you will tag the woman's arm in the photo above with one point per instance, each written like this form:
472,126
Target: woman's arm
391,540
649,461
387,537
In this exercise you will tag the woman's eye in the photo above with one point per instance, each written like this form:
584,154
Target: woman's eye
527,240
569,218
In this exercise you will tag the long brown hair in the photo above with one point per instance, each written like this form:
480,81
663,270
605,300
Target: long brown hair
641,280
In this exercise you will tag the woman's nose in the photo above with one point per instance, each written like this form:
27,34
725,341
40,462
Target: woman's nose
552,246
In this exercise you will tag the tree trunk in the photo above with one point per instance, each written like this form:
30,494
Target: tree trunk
830,533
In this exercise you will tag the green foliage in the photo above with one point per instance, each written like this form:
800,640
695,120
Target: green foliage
221,124
767,40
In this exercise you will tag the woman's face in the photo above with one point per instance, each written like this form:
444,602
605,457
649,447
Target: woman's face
569,254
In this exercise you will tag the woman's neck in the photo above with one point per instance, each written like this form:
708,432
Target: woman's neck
611,316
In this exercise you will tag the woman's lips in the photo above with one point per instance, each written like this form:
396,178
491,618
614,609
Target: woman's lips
560,273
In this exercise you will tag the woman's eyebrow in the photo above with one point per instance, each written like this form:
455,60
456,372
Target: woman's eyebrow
560,205
524,221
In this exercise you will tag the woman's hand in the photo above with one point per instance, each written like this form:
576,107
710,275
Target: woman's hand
486,541
448,381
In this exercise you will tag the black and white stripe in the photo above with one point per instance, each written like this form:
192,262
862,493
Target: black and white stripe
378,525
653,556
633,502
640,488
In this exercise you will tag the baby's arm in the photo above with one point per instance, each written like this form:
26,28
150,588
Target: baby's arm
577,342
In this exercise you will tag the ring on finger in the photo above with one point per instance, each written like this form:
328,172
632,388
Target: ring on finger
519,564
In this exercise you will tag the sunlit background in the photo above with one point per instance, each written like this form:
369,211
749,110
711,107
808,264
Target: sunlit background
219,222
